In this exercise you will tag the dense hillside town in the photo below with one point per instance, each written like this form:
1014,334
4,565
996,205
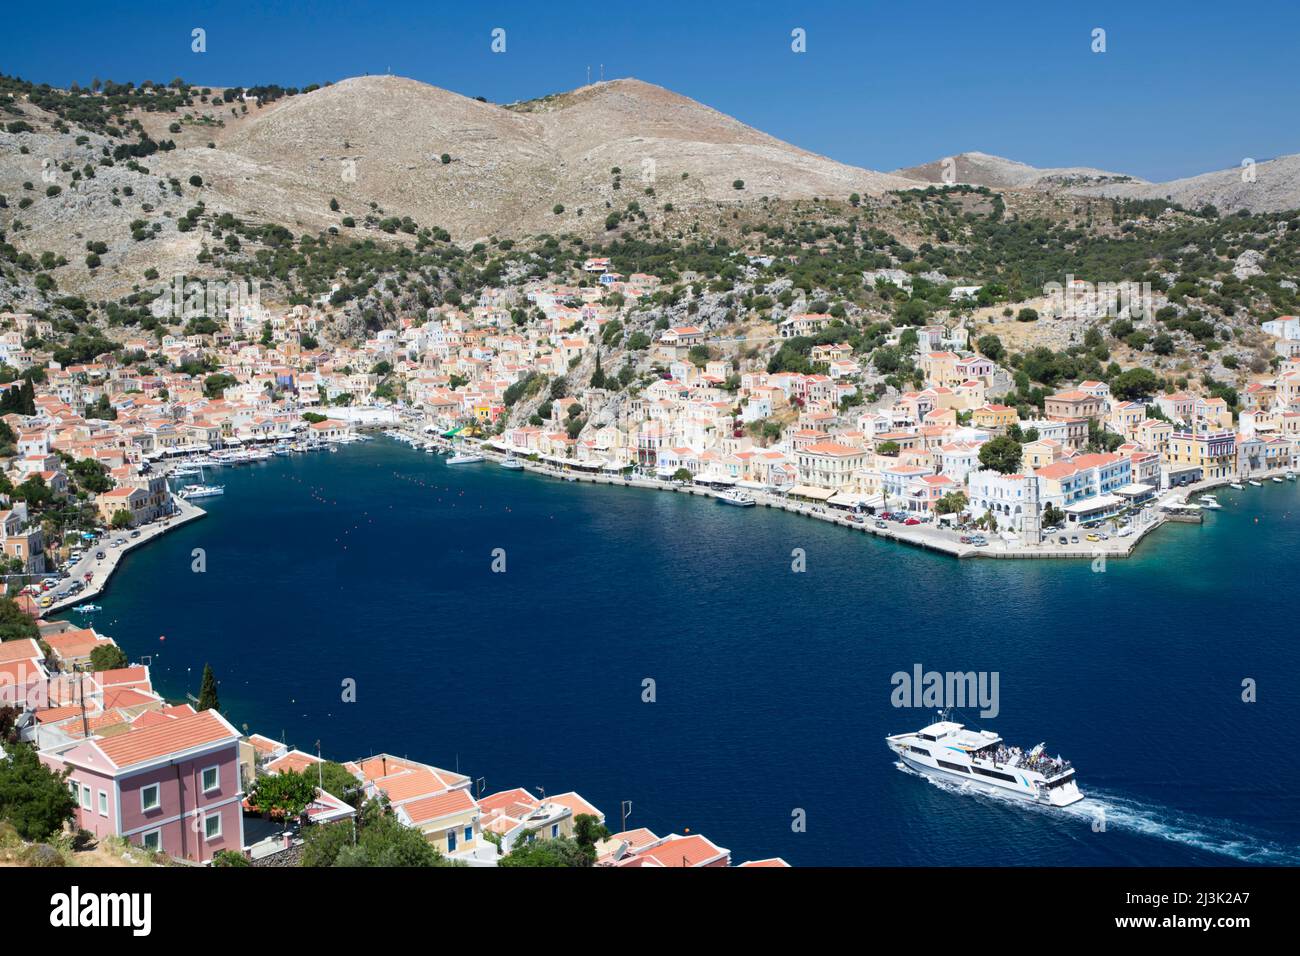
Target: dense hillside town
983,372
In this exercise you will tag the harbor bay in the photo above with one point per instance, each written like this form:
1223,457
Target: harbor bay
771,686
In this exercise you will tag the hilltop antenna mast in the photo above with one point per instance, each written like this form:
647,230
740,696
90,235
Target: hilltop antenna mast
589,74
602,73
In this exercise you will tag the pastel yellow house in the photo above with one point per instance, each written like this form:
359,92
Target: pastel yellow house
1037,454
1214,452
450,821
1126,416
996,418
940,368
1153,434
829,464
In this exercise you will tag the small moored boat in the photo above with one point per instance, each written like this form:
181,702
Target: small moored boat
737,498
201,491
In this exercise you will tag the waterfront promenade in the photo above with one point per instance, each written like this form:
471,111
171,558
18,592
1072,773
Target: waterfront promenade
927,536
101,570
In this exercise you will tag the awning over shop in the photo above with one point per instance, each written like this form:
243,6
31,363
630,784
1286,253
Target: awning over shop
1095,505
1135,490
846,500
808,491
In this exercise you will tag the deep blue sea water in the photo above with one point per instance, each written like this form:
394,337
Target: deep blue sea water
772,687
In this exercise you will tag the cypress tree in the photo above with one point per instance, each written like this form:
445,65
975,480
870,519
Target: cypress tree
208,691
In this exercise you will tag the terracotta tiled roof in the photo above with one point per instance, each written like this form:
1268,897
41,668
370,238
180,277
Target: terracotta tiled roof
151,743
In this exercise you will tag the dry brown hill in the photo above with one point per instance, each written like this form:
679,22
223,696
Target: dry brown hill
510,166
1275,186
376,144
982,169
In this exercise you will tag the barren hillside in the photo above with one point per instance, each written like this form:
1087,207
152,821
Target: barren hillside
1275,186
982,169
509,168
384,146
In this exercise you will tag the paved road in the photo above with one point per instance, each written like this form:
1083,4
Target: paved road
101,570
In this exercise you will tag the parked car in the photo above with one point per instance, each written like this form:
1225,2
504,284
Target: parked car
1093,537
881,524
911,521
1074,539
1062,540
965,539
99,555
135,534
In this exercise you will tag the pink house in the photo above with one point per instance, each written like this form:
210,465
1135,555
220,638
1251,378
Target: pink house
170,784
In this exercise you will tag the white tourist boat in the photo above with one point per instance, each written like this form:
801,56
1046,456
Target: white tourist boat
1255,483
511,462
464,457
949,751
201,491
87,608
1276,479
737,498
1290,476
1238,485
1211,502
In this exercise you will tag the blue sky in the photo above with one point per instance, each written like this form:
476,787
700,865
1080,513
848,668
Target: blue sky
1182,88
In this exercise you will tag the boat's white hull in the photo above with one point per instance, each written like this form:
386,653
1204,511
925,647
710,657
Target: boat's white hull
206,493
737,503
512,465
1022,787
464,459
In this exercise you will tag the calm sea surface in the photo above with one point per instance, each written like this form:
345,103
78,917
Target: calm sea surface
772,688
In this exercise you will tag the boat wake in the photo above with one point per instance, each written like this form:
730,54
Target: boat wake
1111,810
